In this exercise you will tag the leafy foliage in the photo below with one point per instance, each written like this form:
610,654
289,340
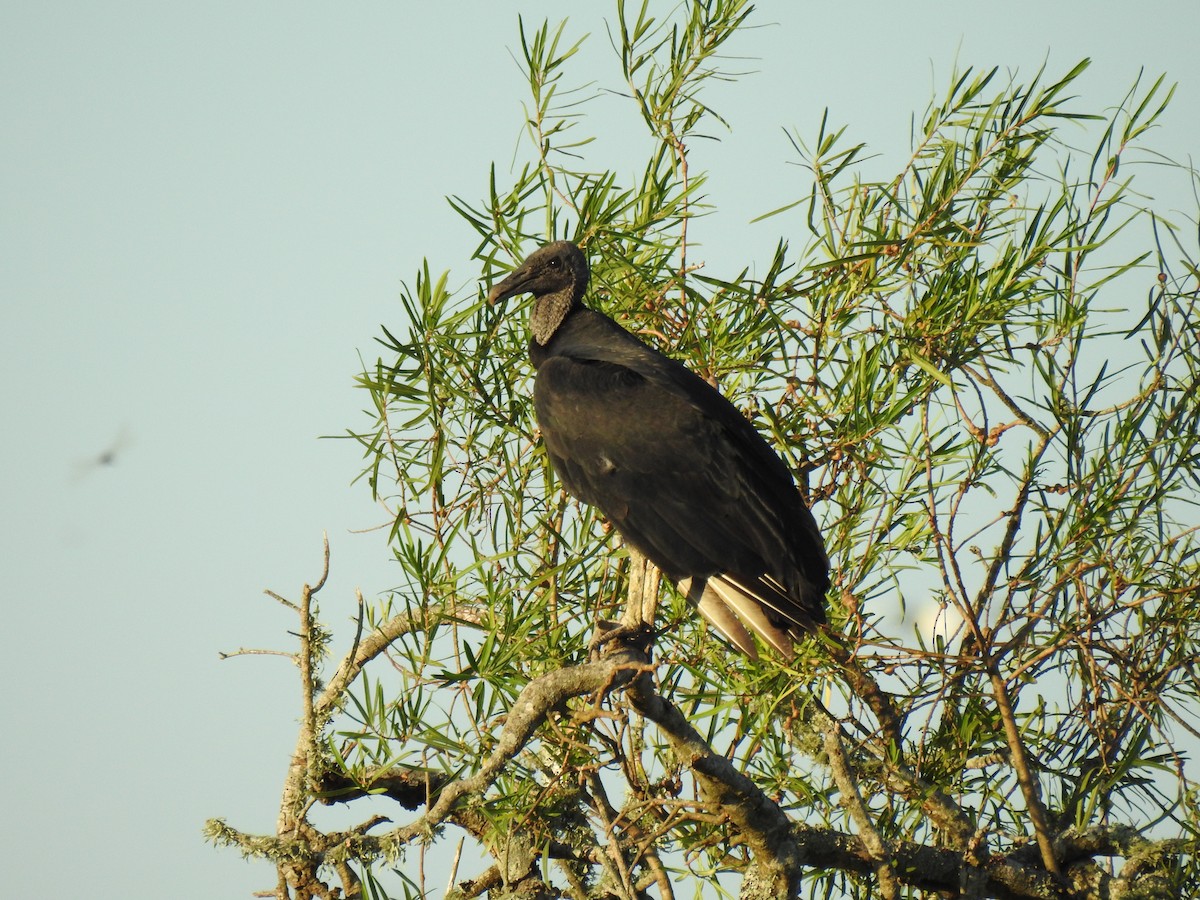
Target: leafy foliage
991,402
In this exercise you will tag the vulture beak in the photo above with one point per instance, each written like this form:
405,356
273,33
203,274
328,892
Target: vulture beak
513,284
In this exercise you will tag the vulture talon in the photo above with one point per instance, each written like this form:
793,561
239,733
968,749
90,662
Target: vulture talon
610,638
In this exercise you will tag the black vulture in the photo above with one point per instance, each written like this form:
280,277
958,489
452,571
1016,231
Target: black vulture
682,475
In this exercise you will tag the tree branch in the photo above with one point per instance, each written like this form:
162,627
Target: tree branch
847,784
759,819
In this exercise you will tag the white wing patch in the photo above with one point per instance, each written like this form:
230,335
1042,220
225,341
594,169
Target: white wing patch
731,609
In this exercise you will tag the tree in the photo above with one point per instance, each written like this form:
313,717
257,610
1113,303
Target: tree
992,405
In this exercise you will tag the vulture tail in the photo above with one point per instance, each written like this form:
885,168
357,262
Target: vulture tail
731,609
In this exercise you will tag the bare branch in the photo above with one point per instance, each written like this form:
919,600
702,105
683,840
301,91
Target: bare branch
852,799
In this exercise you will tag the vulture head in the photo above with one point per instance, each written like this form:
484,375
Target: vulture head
557,276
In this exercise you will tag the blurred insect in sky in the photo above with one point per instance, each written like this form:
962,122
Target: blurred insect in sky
106,457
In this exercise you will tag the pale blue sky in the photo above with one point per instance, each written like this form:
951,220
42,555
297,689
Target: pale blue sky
206,211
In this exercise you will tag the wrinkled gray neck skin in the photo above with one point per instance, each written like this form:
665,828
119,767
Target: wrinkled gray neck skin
549,310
